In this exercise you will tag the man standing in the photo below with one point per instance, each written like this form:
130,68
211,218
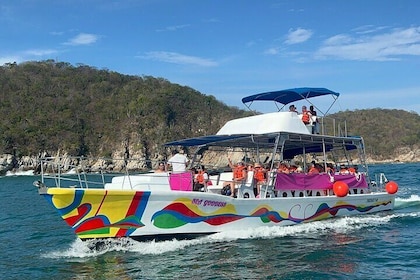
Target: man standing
178,161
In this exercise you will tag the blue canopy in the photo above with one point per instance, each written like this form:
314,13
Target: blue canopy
294,145
289,95
206,140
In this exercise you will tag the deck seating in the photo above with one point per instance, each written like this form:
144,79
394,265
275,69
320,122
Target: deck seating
246,190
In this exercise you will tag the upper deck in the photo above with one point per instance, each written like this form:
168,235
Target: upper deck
264,124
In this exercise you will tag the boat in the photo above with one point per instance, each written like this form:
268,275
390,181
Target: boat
162,206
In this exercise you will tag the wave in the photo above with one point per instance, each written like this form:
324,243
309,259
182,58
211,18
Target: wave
20,173
343,225
402,203
32,173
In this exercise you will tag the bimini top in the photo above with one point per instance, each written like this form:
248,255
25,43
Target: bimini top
289,95
292,144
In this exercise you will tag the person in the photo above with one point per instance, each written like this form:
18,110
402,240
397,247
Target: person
352,170
343,170
239,175
306,115
201,179
292,168
330,169
161,168
315,128
292,108
283,168
260,175
313,168
178,161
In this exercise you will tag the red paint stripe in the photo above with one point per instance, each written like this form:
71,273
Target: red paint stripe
102,202
131,211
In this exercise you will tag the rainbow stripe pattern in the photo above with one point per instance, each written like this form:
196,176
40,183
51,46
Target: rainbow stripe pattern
97,214
181,212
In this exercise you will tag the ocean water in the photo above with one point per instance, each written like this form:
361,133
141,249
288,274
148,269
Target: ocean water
36,244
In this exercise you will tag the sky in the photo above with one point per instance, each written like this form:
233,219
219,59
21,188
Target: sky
368,51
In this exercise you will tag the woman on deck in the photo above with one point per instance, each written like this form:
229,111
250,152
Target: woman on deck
239,175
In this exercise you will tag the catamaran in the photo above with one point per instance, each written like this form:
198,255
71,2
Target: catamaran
161,206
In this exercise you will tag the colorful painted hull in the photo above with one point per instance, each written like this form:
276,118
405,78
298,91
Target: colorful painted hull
146,215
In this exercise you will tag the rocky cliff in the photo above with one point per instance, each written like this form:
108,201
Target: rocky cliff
11,163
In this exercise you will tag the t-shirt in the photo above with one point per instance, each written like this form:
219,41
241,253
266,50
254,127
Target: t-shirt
178,163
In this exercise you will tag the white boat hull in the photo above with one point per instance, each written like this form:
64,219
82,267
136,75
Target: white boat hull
159,215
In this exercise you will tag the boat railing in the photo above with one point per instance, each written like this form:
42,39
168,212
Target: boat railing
333,126
378,184
82,172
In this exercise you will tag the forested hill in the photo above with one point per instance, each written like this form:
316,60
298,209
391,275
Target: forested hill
387,133
55,106
49,106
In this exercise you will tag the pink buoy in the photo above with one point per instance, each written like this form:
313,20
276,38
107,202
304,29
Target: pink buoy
340,188
391,187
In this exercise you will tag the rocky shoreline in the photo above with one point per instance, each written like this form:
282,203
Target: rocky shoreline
14,164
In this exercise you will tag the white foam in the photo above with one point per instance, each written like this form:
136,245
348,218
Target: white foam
82,249
72,171
412,198
20,173
412,201
78,249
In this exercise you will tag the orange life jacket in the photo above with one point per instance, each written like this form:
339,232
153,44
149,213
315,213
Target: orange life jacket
344,171
200,177
313,170
238,172
306,117
259,175
283,169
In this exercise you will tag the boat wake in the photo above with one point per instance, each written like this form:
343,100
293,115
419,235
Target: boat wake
412,202
343,225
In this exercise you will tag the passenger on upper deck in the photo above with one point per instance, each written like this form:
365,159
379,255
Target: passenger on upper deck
306,115
292,108
315,128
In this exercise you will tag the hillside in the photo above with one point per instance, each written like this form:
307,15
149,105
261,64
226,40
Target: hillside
53,106
388,134
48,106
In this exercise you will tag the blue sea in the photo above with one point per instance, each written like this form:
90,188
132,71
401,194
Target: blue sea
36,244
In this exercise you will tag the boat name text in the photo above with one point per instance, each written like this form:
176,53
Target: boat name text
213,203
